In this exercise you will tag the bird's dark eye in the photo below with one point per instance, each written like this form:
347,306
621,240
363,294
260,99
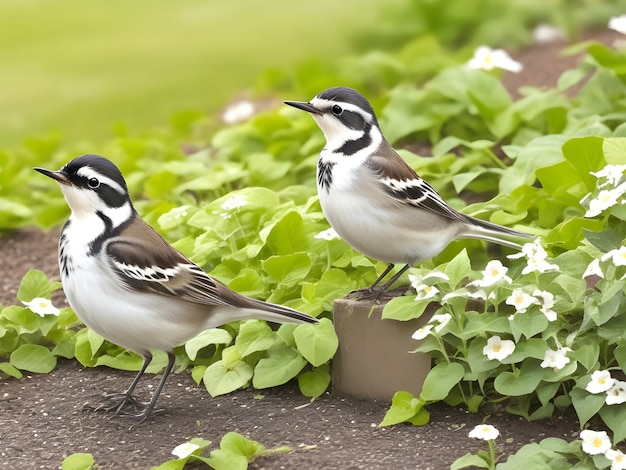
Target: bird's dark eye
93,183
337,110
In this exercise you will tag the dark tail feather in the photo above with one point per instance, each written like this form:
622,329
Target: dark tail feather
477,228
281,314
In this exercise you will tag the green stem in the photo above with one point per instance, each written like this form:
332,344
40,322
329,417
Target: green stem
443,348
492,455
496,160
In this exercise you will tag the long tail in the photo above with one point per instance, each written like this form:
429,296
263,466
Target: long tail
477,228
278,313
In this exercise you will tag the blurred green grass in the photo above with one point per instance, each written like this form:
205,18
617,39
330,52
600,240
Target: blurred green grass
78,67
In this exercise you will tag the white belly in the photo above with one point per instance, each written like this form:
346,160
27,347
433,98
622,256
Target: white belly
390,233
135,321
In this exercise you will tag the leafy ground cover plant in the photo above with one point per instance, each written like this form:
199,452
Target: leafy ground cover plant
234,453
547,330
536,328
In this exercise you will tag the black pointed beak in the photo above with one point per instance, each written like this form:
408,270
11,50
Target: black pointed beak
58,176
304,106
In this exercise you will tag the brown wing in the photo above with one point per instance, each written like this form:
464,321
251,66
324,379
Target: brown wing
143,261
402,183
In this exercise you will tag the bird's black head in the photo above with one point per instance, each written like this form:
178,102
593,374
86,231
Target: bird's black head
91,183
338,96
345,105
345,117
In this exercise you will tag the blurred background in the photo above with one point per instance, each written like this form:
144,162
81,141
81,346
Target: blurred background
80,67
146,82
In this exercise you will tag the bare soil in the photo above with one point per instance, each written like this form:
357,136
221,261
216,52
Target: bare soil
42,419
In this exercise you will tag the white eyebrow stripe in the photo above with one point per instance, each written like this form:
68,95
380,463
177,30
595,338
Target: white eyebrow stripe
323,103
88,172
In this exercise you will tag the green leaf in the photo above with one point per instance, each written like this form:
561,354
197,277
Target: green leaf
404,406
221,459
528,324
177,464
314,382
587,353
615,150
283,364
540,457
33,358
469,460
82,351
204,339
317,343
458,268
523,382
80,461
585,154
36,284
620,356
95,341
197,373
219,379
615,418
10,370
440,380
405,308
254,335
240,445
287,236
288,270
586,404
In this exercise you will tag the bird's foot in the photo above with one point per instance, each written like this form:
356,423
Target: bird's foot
367,293
123,405
376,294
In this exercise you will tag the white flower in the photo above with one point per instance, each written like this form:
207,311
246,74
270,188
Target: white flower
494,272
595,442
606,198
594,269
556,359
442,320
185,450
536,258
422,332
486,58
452,295
235,202
328,234
424,291
544,33
42,307
617,257
437,274
417,280
612,173
546,300
531,250
238,112
497,348
618,23
617,393
485,432
520,300
617,458
601,381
